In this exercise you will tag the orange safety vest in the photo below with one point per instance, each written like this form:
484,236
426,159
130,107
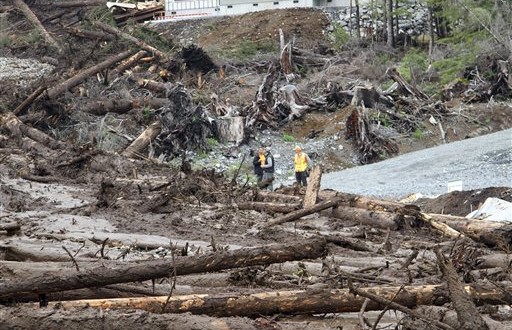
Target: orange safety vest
301,162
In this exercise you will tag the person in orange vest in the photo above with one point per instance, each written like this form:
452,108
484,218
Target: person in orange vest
302,164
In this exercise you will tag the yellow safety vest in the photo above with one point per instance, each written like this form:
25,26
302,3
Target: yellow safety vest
301,162
262,159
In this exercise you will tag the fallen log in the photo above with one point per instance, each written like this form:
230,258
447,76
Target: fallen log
43,318
267,196
268,206
500,260
143,140
491,233
290,302
54,92
392,304
71,4
11,228
126,36
301,213
129,62
101,276
442,227
156,86
411,90
25,104
94,35
363,202
379,219
22,6
467,314
19,129
121,105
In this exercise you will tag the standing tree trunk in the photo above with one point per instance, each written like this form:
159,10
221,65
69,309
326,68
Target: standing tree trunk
358,21
430,32
389,23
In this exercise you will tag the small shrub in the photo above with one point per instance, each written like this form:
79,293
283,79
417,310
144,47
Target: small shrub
380,118
418,134
339,35
288,138
212,142
416,60
247,49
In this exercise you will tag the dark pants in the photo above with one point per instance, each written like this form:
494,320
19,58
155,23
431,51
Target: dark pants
301,178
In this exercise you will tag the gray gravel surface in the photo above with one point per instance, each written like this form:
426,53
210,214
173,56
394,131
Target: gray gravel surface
480,162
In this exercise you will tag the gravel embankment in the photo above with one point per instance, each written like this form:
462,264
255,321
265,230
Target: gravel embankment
480,162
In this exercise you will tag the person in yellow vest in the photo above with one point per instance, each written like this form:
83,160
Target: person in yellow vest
302,164
267,165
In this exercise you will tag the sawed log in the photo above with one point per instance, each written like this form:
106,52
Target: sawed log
292,302
147,270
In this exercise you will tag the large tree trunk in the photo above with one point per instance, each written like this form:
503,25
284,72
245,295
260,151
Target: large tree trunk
101,276
291,302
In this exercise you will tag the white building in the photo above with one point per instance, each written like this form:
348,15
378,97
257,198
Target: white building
189,9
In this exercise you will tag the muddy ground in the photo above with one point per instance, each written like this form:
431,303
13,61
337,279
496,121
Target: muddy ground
102,206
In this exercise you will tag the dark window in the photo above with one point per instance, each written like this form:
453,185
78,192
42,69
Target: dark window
173,12
255,5
230,6
295,1
276,3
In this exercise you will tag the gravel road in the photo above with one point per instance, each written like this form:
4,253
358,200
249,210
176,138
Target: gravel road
481,162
